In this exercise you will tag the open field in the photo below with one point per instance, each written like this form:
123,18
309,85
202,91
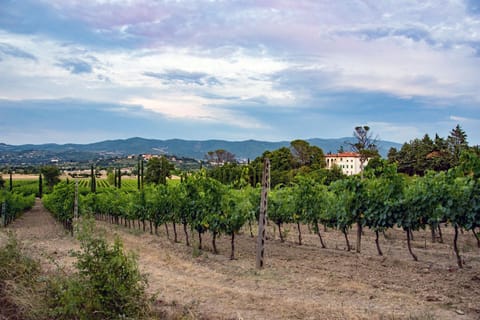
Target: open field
299,282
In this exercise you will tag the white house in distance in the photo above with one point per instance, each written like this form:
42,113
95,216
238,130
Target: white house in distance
349,162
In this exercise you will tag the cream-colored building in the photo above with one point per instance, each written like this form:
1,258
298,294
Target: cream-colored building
349,162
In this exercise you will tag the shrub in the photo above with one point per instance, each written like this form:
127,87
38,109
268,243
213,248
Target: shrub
108,284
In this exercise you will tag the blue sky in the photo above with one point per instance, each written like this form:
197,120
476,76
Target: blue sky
85,71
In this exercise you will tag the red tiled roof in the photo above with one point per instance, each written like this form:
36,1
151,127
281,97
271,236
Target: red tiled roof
344,155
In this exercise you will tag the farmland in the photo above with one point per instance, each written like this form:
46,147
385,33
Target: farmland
299,282
380,245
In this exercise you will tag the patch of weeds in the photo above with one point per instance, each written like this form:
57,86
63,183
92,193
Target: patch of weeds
425,315
195,251
135,232
20,284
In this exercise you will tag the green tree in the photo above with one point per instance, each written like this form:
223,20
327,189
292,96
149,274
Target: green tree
119,178
236,208
51,175
40,186
93,180
220,157
365,144
158,170
306,155
281,207
112,177
457,142
383,190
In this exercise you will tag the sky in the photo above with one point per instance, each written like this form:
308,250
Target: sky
85,71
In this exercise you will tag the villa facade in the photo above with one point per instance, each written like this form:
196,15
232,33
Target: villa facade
349,162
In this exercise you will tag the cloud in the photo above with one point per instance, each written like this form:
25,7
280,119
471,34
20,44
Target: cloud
75,66
9,50
196,109
185,77
305,68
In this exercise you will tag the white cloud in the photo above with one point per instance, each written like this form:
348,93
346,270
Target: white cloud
393,132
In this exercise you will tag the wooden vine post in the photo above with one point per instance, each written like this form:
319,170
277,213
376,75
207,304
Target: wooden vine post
263,214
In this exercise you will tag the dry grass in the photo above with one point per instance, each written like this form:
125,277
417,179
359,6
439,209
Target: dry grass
299,282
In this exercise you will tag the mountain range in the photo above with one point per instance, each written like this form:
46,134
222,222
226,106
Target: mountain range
196,149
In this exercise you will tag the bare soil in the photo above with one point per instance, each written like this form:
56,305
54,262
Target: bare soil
298,282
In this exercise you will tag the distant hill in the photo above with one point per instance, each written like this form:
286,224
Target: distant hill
249,149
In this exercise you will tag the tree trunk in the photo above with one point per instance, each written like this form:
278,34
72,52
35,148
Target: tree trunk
476,237
440,240
186,234
432,228
411,235
232,254
346,239
143,222
199,240
250,227
299,234
156,229
175,237
455,247
151,227
359,237
166,229
280,232
319,235
380,253
214,244
409,232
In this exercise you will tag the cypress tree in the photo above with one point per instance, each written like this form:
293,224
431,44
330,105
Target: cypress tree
11,181
93,183
141,173
138,173
119,184
40,186
115,178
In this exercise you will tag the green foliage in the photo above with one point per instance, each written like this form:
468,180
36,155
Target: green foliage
420,155
305,155
20,289
108,284
93,182
281,206
381,200
229,173
158,170
12,205
61,203
112,177
51,175
14,265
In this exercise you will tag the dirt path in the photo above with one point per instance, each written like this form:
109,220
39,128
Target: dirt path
299,282
43,237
